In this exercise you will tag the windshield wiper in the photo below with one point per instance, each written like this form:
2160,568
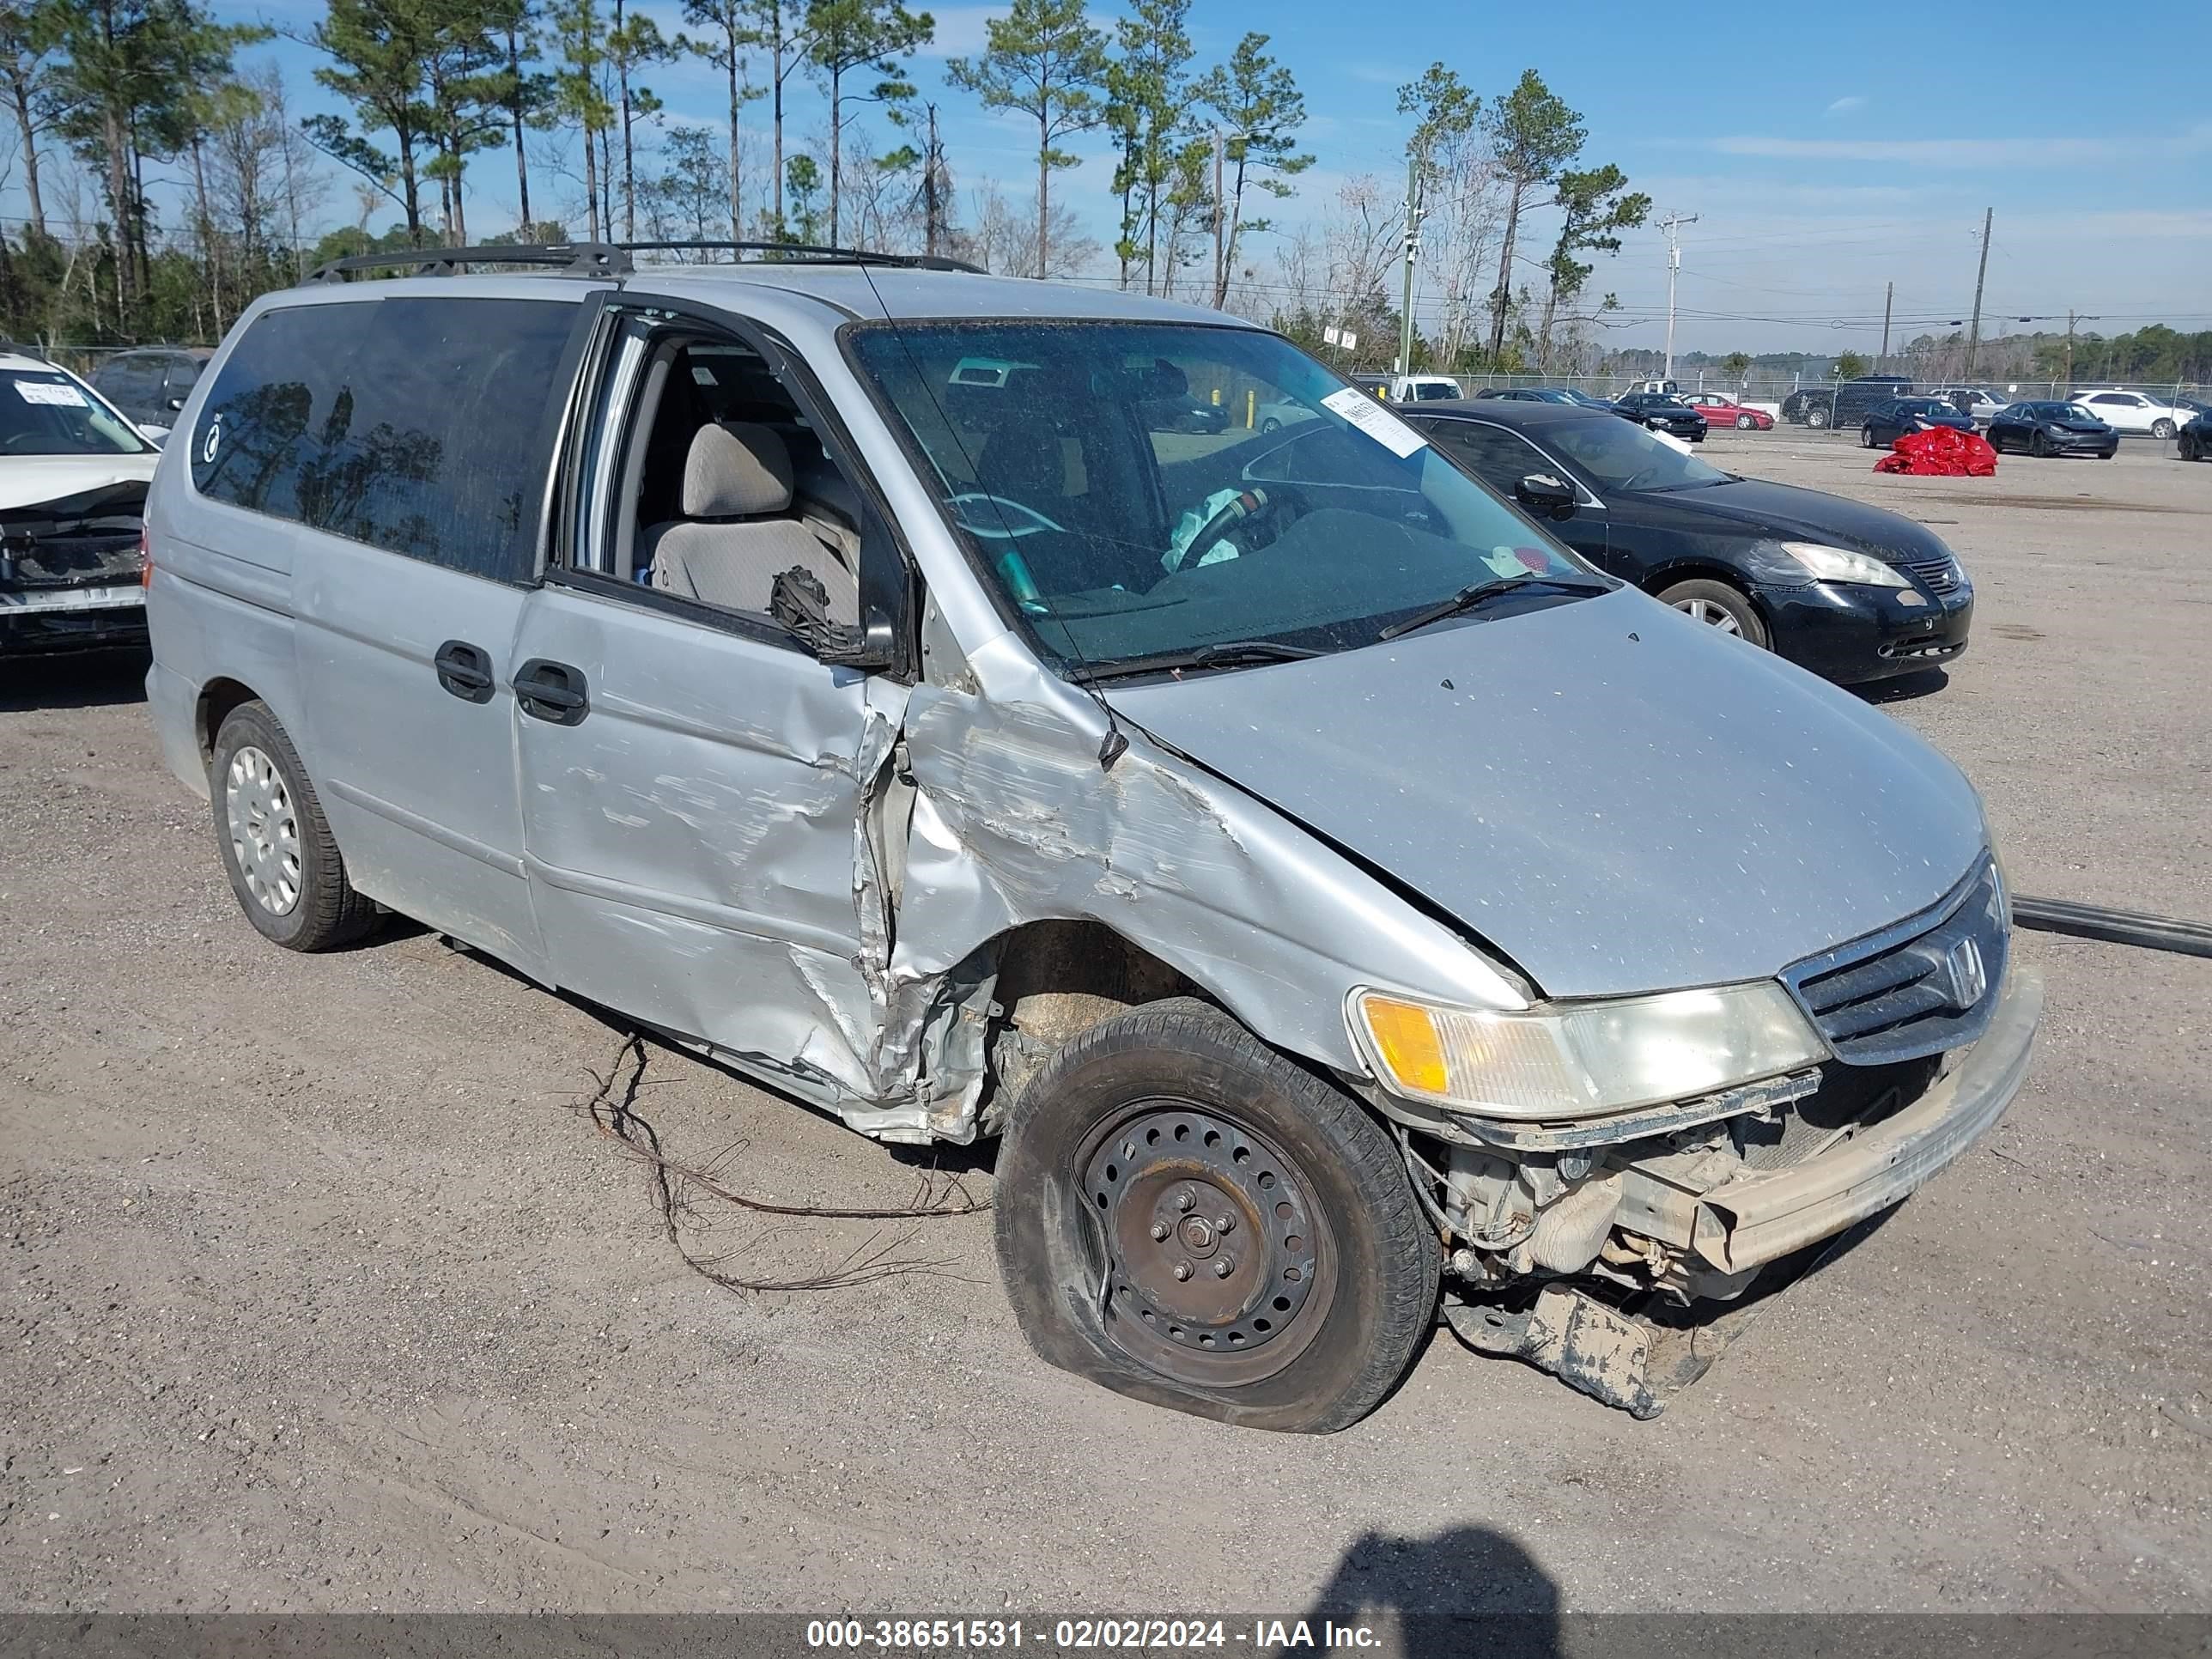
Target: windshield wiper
1222,654
1469,598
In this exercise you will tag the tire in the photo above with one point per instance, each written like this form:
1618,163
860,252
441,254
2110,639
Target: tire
1324,1320
2039,445
2162,429
1719,605
1866,437
2186,449
1745,423
1997,443
1271,424
275,843
1816,417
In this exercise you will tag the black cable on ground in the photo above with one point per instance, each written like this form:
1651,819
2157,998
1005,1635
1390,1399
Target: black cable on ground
2189,938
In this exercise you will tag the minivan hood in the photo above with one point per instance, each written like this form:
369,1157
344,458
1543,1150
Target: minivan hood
1785,511
1616,797
33,480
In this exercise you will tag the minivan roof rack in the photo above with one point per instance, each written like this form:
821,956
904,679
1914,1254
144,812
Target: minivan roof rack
564,259
810,250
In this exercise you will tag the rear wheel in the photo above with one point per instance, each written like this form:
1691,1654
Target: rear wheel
1718,605
1185,1217
276,846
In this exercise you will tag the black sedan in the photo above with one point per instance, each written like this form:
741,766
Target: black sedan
1662,412
1850,592
1551,394
1891,419
2195,440
2044,428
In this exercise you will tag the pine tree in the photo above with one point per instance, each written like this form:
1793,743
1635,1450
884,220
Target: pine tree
1045,60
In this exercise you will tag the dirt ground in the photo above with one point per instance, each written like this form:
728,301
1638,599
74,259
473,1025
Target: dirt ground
320,1295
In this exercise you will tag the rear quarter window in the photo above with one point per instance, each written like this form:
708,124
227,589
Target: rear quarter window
422,426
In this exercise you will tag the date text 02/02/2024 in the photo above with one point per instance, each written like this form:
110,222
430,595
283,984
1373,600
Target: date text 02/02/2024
1080,1635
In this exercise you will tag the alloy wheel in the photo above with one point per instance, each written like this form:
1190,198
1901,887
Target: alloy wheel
1713,616
265,831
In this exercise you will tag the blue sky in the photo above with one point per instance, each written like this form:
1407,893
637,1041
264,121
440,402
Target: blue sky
1826,149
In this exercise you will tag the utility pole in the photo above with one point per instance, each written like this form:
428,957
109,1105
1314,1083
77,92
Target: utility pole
1672,223
1974,329
1413,213
1220,272
1888,293
2073,318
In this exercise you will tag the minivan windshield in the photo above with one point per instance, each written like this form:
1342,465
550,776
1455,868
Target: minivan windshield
44,412
1147,490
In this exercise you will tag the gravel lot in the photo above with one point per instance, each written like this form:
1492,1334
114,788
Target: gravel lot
319,1294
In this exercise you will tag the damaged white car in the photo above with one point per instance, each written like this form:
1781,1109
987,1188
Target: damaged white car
1333,892
73,477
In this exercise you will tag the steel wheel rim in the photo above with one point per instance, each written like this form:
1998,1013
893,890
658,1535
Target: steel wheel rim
1713,616
1172,1166
265,831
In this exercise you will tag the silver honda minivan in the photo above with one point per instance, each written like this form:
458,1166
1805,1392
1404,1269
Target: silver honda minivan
876,676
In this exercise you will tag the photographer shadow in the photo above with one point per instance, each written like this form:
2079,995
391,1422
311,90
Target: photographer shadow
1467,1589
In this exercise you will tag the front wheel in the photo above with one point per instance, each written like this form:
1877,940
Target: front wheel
1744,423
1816,418
1866,437
1188,1219
2161,428
2041,445
1271,424
1718,605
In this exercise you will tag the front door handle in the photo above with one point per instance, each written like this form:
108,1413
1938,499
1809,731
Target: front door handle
464,670
552,691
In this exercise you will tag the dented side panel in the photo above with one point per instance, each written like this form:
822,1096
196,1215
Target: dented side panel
1016,820
695,844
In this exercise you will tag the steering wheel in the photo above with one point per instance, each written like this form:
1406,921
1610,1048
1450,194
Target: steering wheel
1005,531
1251,504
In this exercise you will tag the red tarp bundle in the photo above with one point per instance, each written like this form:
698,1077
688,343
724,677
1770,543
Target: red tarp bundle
1941,452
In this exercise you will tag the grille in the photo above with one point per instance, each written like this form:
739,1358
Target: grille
1942,575
1916,989
1850,1099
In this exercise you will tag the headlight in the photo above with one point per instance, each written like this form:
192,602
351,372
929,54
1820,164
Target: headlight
1578,1059
1794,564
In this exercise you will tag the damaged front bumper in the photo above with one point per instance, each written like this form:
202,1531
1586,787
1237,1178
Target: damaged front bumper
72,618
1762,1215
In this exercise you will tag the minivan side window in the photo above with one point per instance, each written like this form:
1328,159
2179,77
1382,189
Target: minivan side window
421,426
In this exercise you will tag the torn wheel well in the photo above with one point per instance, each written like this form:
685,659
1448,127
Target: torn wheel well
217,698
1056,981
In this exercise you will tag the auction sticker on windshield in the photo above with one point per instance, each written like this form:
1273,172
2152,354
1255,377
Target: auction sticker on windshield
55,394
1376,421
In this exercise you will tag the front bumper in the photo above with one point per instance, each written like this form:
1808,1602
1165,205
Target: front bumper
1853,634
1760,1216
72,618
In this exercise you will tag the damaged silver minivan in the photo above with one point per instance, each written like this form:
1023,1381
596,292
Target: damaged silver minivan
947,699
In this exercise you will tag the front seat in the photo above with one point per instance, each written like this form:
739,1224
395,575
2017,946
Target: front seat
733,539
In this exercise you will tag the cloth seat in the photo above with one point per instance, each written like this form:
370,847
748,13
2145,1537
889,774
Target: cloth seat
735,537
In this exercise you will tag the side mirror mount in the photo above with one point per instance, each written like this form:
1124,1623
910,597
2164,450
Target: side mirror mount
1541,493
801,604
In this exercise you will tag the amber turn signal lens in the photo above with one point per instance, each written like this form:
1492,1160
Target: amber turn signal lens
1405,1040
